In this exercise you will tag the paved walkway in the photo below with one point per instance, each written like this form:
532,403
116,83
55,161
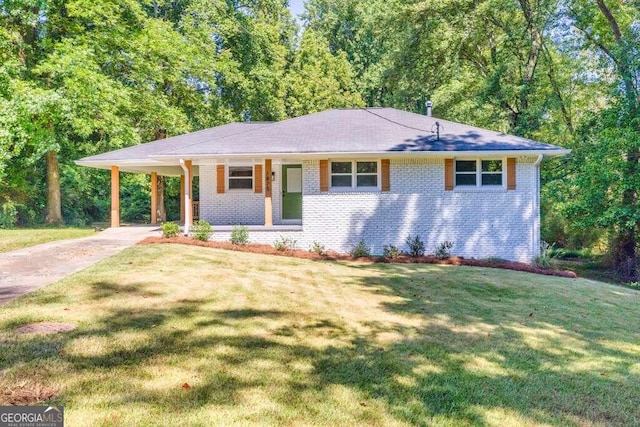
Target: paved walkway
26,270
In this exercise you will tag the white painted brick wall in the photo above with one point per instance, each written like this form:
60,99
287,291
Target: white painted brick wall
231,207
481,223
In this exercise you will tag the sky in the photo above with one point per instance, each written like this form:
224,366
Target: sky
296,7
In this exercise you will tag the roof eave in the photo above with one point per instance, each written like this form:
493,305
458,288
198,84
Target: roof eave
320,155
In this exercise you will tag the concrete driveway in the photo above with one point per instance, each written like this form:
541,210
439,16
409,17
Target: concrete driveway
26,270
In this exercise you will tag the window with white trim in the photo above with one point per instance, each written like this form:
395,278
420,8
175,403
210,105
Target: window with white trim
240,177
479,173
355,174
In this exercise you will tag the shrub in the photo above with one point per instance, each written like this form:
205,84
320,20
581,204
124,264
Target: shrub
416,246
284,243
544,259
240,235
202,230
8,215
360,250
443,250
318,248
391,251
170,229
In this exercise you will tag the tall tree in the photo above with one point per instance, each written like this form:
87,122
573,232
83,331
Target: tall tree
606,173
319,80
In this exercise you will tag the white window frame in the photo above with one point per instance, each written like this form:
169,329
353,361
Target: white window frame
478,173
228,177
354,175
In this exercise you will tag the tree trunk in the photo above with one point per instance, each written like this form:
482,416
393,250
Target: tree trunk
624,256
54,203
162,210
625,246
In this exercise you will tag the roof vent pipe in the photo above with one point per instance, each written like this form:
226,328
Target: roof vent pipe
429,104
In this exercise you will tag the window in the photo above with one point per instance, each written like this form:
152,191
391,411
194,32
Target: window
478,173
354,174
240,177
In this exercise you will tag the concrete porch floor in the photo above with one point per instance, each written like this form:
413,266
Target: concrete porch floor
261,228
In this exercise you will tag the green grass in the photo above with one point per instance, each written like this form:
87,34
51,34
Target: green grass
19,238
276,341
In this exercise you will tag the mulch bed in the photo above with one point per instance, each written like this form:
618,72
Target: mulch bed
334,256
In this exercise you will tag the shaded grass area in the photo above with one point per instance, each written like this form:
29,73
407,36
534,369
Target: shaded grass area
264,340
594,267
19,238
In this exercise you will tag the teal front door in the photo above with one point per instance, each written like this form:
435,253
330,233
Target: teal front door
291,191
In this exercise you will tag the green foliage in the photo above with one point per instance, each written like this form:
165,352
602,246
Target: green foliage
201,230
284,243
318,248
546,253
557,228
360,250
415,245
542,261
563,253
391,251
319,80
240,235
8,215
170,229
443,250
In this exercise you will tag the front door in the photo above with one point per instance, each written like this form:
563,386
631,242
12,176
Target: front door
291,191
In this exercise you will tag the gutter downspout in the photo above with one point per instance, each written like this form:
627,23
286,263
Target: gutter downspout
187,198
536,208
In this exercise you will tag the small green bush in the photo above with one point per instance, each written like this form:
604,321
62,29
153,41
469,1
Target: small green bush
360,250
391,251
416,246
443,250
8,215
240,235
284,243
170,229
543,262
318,248
546,252
202,230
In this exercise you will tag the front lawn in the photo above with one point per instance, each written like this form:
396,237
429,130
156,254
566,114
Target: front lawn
183,335
19,238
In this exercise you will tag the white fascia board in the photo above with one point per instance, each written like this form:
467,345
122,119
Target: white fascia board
135,162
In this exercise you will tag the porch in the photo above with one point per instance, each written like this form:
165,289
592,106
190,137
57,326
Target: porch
230,193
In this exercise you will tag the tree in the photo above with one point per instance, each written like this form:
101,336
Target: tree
318,80
606,173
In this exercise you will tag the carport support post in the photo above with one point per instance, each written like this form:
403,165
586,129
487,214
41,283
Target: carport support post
154,198
188,206
182,198
188,199
115,196
268,184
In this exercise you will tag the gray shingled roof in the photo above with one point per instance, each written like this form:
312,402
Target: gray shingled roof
143,151
365,130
